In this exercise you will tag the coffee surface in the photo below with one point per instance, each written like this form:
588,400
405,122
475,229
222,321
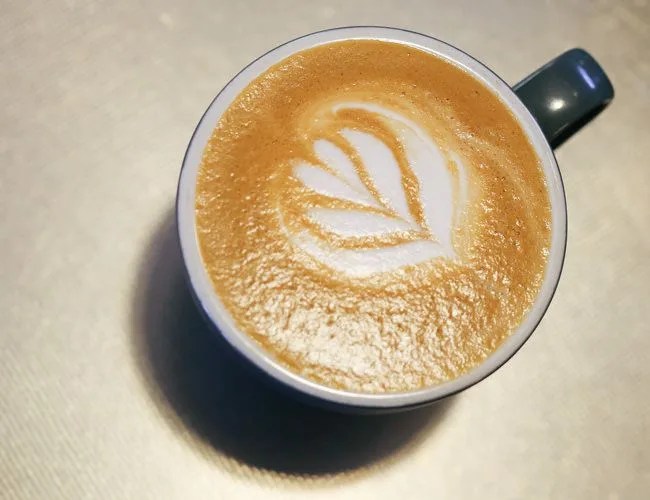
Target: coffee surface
373,216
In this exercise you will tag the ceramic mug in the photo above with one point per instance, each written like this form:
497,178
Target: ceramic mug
550,105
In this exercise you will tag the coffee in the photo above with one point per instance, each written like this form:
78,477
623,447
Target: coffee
373,216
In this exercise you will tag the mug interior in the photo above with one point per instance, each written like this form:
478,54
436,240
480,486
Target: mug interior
213,307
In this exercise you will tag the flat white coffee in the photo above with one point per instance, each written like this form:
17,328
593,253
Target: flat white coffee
373,216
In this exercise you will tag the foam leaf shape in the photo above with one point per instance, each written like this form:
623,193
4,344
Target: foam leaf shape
336,159
357,223
325,183
382,169
380,186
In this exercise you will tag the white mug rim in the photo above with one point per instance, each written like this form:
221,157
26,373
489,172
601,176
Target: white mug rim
219,316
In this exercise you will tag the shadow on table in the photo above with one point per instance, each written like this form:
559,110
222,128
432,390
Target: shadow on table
199,384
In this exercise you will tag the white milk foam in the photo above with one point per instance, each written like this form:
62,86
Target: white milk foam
441,203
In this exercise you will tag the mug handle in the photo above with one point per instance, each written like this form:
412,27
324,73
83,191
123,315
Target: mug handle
565,94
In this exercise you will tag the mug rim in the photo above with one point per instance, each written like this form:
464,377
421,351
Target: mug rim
213,308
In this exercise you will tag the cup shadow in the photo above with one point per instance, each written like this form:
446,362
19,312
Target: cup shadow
200,384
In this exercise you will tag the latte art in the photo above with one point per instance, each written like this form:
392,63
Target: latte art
372,216
384,225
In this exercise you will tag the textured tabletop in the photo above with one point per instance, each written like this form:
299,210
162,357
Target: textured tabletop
110,386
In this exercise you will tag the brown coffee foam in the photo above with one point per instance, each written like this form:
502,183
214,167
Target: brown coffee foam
402,330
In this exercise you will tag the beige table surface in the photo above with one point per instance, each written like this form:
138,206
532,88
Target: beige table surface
110,387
